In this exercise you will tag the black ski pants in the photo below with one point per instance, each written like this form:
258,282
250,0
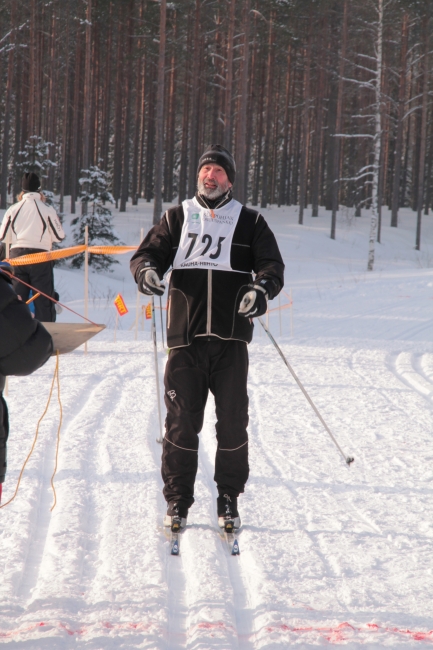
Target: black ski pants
39,276
221,367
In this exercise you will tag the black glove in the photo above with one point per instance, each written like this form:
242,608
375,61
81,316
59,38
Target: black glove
148,283
254,303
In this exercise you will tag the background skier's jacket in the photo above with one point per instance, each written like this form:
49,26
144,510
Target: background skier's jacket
25,345
204,302
32,223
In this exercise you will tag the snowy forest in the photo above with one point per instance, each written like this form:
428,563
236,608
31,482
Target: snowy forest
323,102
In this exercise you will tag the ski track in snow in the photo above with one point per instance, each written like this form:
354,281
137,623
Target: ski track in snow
239,610
340,504
177,606
85,568
409,369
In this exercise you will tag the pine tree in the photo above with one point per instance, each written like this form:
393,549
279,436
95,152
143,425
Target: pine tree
34,157
94,182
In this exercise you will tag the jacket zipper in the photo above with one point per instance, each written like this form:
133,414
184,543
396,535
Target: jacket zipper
209,302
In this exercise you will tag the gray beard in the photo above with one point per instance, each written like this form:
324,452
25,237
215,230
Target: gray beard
212,194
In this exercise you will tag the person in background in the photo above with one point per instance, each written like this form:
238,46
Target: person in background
34,226
25,345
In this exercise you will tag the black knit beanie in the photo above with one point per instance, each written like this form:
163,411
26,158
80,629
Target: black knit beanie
30,182
219,155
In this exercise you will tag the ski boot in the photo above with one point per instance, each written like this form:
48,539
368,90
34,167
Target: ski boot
176,517
228,515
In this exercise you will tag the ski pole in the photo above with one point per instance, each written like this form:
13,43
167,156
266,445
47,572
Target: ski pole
162,324
347,459
155,354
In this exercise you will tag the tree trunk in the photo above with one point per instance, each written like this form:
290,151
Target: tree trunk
87,96
421,175
7,111
241,133
32,70
318,141
337,145
106,104
150,139
296,158
407,140
159,150
183,175
400,124
229,78
331,143
195,85
171,121
39,77
183,167
65,120
428,192
275,142
18,125
292,138
217,90
282,189
144,87
95,92
52,98
124,191
137,117
254,73
306,128
201,99
118,111
269,105
259,138
384,140
377,135
75,122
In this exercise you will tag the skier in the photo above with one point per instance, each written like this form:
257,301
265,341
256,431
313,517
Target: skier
25,345
34,227
213,244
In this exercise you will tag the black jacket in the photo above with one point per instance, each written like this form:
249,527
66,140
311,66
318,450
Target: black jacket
203,302
25,345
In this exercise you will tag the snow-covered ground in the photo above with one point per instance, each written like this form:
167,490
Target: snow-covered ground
329,555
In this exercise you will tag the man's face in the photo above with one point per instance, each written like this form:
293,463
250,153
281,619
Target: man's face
212,181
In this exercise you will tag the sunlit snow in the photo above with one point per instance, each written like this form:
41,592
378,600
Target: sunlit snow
329,555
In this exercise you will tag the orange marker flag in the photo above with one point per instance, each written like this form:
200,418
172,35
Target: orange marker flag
149,311
120,305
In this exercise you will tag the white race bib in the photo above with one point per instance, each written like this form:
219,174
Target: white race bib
206,239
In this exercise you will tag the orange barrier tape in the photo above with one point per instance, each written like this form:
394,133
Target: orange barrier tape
33,298
279,308
37,258
111,250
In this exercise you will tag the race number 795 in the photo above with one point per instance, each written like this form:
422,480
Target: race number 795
206,239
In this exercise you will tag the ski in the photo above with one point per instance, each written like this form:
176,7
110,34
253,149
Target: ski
174,544
175,536
232,543
230,537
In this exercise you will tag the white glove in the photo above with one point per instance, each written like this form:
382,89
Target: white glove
254,303
149,283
